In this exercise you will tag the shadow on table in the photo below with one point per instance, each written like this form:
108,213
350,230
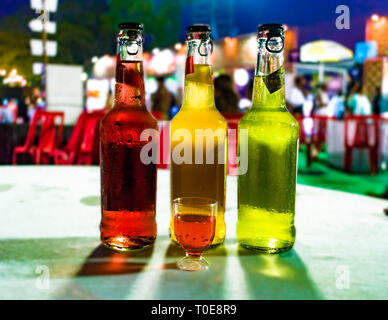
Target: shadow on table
281,276
176,284
104,262
95,279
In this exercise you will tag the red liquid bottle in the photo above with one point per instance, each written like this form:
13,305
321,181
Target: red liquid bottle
128,180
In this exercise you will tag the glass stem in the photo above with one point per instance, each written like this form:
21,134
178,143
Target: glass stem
194,256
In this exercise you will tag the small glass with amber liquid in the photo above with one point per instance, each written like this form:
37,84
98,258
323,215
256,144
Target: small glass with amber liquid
194,227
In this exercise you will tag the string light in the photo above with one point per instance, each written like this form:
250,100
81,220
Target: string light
15,78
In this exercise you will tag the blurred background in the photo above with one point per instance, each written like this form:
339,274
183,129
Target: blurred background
336,78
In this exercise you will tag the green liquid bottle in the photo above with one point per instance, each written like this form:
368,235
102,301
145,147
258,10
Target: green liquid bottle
266,191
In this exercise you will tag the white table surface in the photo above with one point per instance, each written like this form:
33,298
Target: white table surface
49,220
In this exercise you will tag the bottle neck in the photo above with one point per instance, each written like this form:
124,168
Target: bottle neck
199,91
129,87
268,87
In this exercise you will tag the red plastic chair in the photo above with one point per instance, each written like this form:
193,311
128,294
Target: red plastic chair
28,147
302,134
49,138
320,128
232,119
362,132
69,153
89,144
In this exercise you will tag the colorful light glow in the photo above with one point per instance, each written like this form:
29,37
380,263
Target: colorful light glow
241,77
97,93
103,65
376,30
14,78
36,25
244,103
150,85
231,46
163,62
37,47
84,76
324,51
250,49
37,68
50,5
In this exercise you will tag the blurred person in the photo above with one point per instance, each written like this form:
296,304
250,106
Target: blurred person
322,100
31,111
23,108
359,103
13,109
336,106
349,86
352,90
162,100
225,96
377,101
297,96
5,112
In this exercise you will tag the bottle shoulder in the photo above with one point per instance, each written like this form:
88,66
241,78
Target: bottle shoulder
127,115
269,117
200,118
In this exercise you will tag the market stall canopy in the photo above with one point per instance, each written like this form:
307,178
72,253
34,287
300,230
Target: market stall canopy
324,51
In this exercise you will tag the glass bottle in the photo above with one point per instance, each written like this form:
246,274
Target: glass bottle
199,133
128,183
266,191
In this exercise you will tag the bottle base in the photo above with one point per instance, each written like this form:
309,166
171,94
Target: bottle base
122,243
267,246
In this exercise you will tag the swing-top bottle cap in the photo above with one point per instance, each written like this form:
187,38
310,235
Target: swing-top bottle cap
199,28
274,34
131,26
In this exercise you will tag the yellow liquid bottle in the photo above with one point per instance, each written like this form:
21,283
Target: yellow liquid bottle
198,134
